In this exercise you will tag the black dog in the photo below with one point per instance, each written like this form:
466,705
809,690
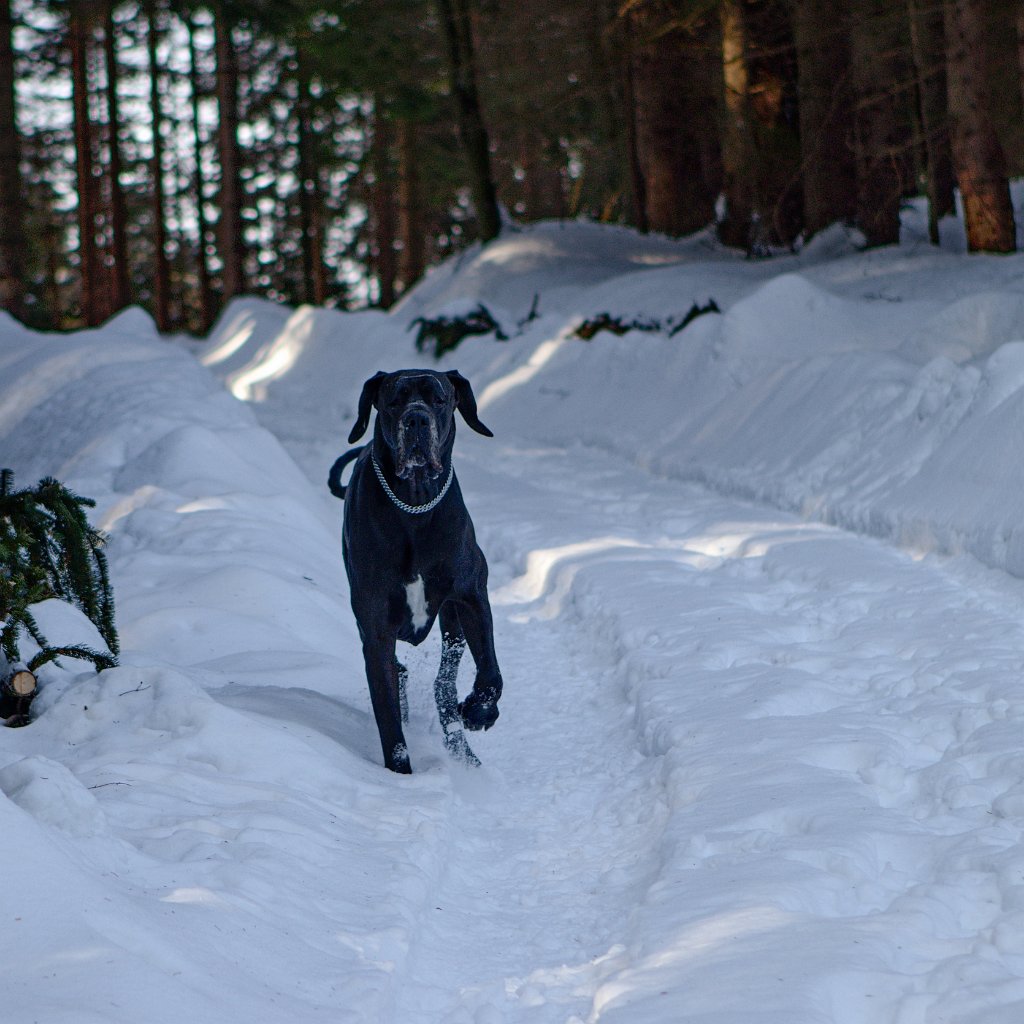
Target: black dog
411,553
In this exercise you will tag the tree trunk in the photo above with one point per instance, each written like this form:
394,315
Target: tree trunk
206,311
612,112
309,200
314,281
879,134
821,28
88,257
743,224
17,691
977,154
232,245
53,247
636,174
676,102
384,219
120,289
13,243
1020,49
411,220
161,268
458,31
929,46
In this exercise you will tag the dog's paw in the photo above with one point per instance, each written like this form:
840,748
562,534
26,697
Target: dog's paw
457,747
398,760
478,712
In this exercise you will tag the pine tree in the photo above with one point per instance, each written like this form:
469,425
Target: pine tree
927,37
675,90
80,38
457,27
13,243
825,97
882,116
978,155
120,286
49,550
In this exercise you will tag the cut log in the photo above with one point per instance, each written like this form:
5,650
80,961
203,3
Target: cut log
22,683
17,690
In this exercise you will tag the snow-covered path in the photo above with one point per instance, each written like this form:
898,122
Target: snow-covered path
748,766
731,743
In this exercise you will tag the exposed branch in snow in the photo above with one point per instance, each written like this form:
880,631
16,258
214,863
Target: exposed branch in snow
447,332
650,325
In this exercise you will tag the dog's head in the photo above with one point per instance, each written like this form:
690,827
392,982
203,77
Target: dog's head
416,416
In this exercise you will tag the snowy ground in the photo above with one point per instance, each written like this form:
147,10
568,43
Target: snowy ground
758,608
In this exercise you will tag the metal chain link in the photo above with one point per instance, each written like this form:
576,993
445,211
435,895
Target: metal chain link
414,510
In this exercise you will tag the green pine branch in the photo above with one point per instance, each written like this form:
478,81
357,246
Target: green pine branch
48,549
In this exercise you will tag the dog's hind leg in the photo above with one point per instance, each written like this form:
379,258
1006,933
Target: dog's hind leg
446,694
403,692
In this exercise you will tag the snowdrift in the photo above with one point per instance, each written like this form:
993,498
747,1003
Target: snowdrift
748,764
882,392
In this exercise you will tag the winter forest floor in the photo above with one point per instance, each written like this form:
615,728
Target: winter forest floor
758,607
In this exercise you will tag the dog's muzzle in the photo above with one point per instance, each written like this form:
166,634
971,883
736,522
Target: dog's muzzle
418,443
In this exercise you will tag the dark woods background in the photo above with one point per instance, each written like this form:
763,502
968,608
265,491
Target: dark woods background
177,154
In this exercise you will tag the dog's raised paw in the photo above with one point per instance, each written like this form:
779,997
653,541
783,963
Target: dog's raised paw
459,749
478,712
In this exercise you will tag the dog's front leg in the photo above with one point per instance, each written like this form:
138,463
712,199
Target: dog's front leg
480,709
382,676
446,695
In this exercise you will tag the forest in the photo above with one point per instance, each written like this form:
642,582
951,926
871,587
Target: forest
175,155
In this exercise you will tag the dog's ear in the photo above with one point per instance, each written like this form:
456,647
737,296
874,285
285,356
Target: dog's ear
367,400
465,402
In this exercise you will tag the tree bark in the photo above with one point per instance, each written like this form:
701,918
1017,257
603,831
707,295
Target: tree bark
309,193
13,243
458,32
638,189
821,29
206,310
411,219
676,104
1020,49
743,224
614,114
929,46
879,135
161,268
120,287
88,256
977,154
230,237
384,218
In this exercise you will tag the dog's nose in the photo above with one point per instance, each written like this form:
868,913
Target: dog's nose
416,422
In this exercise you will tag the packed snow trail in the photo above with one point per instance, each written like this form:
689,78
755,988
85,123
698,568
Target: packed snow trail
745,764
748,767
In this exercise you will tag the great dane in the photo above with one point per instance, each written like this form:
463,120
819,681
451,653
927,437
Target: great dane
411,553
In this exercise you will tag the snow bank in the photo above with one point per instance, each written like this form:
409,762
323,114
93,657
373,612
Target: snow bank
879,391
165,824
744,761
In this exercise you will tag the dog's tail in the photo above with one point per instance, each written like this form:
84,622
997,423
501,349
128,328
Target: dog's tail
334,484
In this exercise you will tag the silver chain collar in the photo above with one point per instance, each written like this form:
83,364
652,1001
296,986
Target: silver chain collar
413,510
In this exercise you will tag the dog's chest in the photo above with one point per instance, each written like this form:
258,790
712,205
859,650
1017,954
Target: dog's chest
416,601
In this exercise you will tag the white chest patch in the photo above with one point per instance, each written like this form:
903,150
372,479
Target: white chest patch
416,599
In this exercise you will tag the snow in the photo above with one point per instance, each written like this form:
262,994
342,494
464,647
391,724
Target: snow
758,606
